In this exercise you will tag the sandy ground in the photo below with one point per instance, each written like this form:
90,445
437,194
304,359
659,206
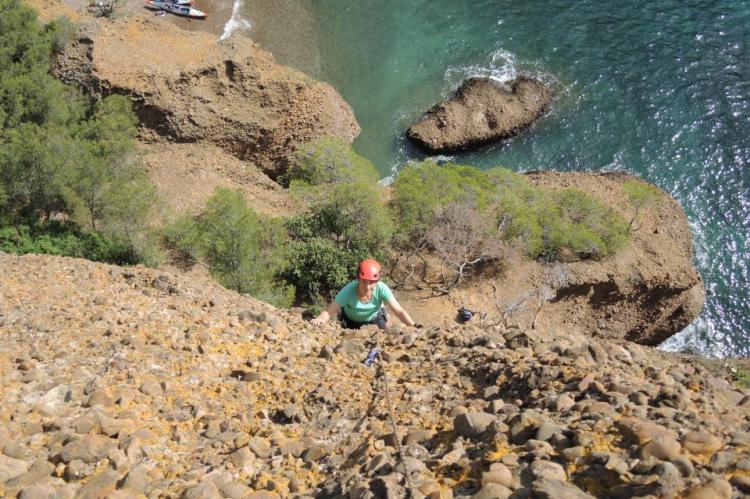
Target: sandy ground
286,28
283,27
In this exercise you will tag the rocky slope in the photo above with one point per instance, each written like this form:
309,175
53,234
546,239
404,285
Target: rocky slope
125,382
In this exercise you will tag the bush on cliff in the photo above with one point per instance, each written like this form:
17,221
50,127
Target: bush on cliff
346,221
328,160
422,189
62,155
243,250
348,224
542,221
62,238
640,194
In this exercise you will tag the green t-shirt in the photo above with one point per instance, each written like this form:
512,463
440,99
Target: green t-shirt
358,311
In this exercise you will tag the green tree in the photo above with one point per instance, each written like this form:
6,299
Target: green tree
27,92
243,250
61,153
318,268
347,219
420,189
106,161
640,195
347,224
127,215
328,160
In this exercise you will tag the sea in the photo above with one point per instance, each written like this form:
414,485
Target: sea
658,89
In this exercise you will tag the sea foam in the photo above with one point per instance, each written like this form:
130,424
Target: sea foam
235,22
501,66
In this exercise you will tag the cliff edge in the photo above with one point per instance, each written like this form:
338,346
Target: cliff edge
645,292
189,88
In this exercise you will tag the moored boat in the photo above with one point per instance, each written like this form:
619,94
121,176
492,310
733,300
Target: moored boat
177,2
182,9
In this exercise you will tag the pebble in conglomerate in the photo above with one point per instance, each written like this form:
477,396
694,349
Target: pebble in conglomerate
132,383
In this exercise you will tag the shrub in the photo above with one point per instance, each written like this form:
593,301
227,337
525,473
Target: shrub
512,211
60,32
591,229
640,194
420,189
131,203
463,240
318,268
62,239
347,224
346,221
243,250
326,161
547,221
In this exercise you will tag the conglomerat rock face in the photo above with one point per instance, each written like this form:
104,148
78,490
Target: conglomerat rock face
130,382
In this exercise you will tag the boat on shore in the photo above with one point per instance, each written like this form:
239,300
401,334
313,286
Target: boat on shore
182,9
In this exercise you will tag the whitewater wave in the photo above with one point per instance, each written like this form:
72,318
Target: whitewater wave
501,66
236,22
694,338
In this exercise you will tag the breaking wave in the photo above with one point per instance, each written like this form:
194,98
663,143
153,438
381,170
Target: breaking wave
235,22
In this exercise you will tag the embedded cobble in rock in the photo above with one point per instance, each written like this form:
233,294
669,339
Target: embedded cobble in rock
556,489
11,468
472,424
148,395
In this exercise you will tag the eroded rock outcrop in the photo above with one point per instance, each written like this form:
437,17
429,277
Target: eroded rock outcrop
481,111
645,292
188,87
130,382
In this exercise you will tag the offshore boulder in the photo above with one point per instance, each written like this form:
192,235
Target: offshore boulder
480,112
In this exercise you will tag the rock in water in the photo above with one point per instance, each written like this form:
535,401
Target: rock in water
481,111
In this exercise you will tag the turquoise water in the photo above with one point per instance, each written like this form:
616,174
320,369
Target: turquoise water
659,89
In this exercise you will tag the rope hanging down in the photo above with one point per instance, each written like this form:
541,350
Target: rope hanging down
373,357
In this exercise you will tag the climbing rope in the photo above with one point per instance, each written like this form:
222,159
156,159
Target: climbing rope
372,357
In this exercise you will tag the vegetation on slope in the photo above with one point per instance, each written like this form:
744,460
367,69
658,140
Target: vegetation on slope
466,218
69,180
71,184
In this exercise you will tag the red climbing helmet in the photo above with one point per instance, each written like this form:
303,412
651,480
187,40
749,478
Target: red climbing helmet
369,269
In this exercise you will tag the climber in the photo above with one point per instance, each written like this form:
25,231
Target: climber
361,301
